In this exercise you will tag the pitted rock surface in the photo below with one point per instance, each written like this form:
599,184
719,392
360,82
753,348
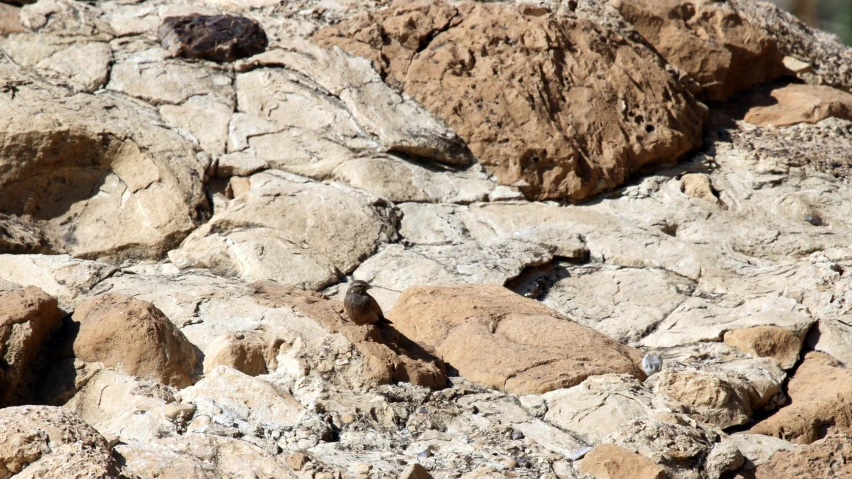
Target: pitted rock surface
556,105
220,38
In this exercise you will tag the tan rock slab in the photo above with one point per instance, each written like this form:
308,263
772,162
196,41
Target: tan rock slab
612,462
795,104
779,344
134,336
415,471
820,401
828,457
468,325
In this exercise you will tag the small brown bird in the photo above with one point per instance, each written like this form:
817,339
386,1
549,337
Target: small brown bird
360,306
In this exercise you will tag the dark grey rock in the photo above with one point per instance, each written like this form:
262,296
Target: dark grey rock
220,38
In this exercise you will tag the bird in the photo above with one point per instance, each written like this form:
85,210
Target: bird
360,306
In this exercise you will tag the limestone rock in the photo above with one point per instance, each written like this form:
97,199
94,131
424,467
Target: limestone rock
722,396
126,189
794,104
698,185
502,90
778,344
248,352
389,355
134,336
710,41
68,279
289,230
28,319
673,441
244,397
612,462
20,237
599,406
757,449
220,38
10,20
43,441
415,471
828,457
820,402
462,324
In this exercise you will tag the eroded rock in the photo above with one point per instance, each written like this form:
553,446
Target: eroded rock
793,104
134,336
503,91
464,324
828,457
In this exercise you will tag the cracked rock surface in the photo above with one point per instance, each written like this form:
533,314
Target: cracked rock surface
536,191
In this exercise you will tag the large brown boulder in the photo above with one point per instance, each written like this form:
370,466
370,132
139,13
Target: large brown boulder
556,105
820,402
28,318
505,341
708,40
828,457
135,337
44,441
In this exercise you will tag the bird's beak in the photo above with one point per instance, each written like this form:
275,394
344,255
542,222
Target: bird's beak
369,286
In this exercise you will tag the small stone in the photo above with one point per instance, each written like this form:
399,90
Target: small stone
524,461
360,468
324,475
178,410
347,418
510,463
297,460
220,38
415,471
200,422
425,453
517,435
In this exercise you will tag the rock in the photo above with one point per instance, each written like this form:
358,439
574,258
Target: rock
531,135
68,279
20,237
28,319
757,448
711,42
778,344
43,441
599,406
820,402
793,104
10,20
199,455
297,460
723,458
135,337
289,230
612,462
723,396
241,397
698,186
389,356
250,352
828,457
126,190
826,54
461,323
220,38
126,407
345,112
675,442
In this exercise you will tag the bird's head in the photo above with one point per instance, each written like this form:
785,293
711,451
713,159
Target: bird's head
358,287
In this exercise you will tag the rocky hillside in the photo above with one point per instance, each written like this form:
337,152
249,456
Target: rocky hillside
612,236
